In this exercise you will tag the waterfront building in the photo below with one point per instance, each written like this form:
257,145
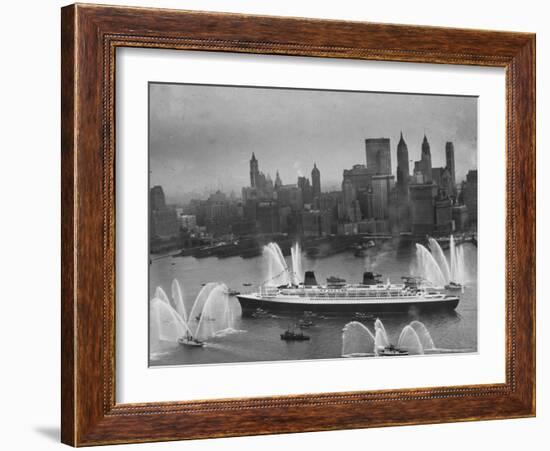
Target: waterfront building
422,208
328,222
164,224
350,211
360,178
305,186
381,187
328,205
244,228
188,222
443,213
469,194
290,196
350,228
328,201
460,217
382,226
378,155
367,226
284,219
267,217
311,223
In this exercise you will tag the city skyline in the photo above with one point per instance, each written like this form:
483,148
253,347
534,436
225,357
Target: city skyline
223,126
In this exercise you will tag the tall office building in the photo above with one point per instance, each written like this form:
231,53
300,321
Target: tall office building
158,201
381,188
267,217
315,181
350,207
278,181
305,187
470,195
443,213
290,196
403,173
254,171
261,185
426,161
378,155
164,224
450,160
359,176
422,199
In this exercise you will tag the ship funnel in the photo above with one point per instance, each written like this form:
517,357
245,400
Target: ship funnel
309,278
369,278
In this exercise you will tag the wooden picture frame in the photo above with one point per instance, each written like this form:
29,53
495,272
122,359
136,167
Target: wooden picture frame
90,35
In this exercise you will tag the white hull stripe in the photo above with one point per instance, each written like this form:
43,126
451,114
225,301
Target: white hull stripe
347,301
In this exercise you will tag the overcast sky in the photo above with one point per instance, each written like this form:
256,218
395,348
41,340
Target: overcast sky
202,137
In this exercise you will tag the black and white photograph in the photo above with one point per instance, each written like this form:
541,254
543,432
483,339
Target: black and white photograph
302,224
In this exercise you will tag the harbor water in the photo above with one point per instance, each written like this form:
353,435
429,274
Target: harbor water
256,339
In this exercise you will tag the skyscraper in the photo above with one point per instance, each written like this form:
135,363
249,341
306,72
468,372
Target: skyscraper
158,201
450,160
422,208
351,211
163,223
426,161
470,195
305,187
278,181
254,171
381,187
315,181
402,166
261,185
378,155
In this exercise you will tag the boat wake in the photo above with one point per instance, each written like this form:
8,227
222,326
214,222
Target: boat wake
229,331
359,354
450,351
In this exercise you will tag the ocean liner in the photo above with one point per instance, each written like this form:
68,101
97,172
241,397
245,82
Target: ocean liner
372,296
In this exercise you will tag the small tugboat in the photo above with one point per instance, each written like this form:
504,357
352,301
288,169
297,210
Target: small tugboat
453,286
290,335
189,340
233,292
391,350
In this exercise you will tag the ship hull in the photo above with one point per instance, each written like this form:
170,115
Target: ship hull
250,303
